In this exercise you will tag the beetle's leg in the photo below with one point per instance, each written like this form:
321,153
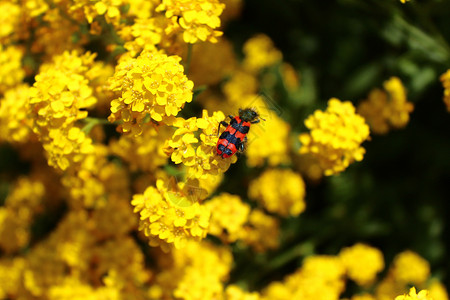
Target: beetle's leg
223,123
243,145
256,121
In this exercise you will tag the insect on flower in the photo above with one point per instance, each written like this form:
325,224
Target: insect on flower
233,139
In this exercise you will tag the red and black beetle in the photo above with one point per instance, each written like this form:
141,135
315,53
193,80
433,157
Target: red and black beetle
233,139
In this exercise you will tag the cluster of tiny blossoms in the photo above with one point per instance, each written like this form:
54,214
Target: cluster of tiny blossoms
78,221
336,136
152,84
385,110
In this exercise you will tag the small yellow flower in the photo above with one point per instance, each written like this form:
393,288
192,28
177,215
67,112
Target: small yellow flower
409,267
336,136
202,71
320,277
262,231
11,72
165,221
413,295
15,125
362,263
197,19
154,84
228,216
259,53
16,216
280,191
386,110
10,21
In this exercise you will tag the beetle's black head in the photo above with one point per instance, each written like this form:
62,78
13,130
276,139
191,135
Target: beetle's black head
248,114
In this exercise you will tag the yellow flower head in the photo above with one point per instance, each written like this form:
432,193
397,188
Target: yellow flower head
11,72
280,191
445,79
388,109
15,125
262,231
202,71
154,84
16,216
259,53
228,216
413,295
320,277
336,136
362,263
168,218
409,267
194,145
197,19
264,146
10,21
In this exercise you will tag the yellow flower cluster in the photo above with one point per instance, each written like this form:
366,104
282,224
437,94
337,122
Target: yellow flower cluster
413,295
77,225
445,79
362,263
194,272
193,144
385,110
336,136
197,19
58,99
15,126
260,53
152,84
167,220
408,269
16,216
11,73
279,191
9,21
232,220
320,277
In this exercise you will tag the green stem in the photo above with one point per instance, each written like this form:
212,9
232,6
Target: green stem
92,122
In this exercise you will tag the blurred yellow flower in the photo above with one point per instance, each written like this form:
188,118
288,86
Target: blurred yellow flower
386,110
228,216
16,216
260,52
280,191
336,136
11,72
262,231
409,268
362,263
15,124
